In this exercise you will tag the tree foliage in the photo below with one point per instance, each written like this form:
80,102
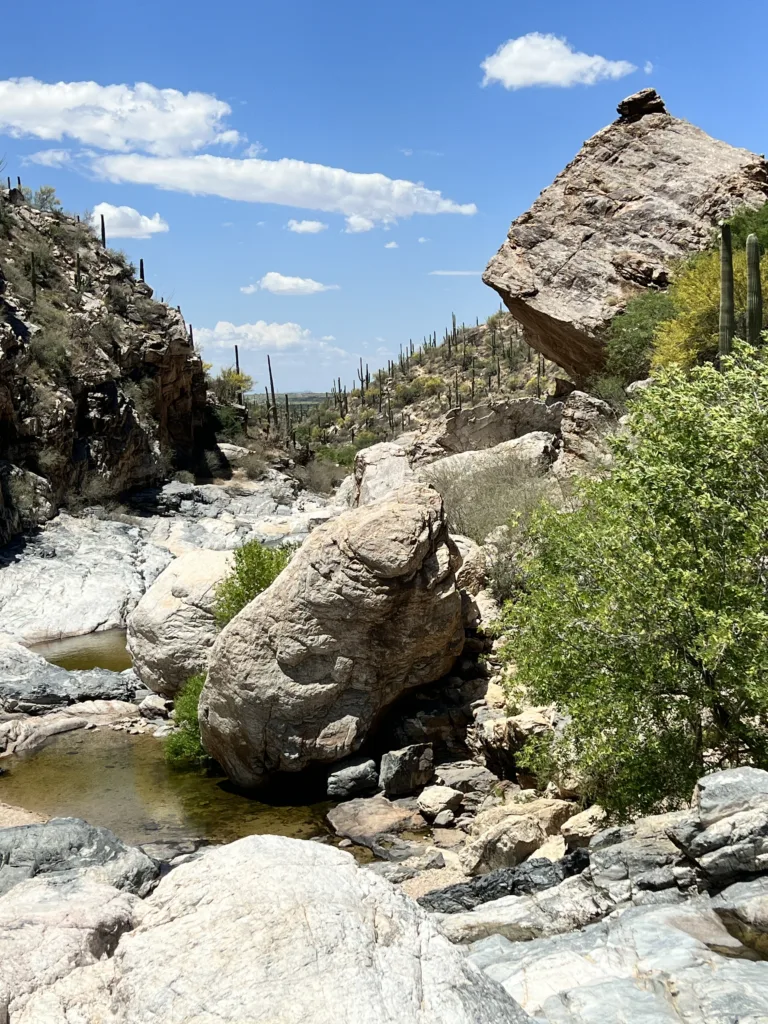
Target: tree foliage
255,568
646,612
184,748
629,342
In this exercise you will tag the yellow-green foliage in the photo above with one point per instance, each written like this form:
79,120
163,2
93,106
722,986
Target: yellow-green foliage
692,335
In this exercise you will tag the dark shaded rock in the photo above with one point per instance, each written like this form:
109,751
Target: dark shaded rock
360,776
67,848
404,771
531,876
647,101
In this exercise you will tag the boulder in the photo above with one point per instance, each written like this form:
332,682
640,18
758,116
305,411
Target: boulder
579,829
549,813
172,629
730,792
483,425
49,928
365,819
660,965
26,734
434,800
586,424
466,776
406,770
380,471
269,928
65,848
360,776
503,845
367,609
471,576
641,193
528,456
31,685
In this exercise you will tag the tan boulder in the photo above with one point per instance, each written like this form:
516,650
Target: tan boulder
503,845
579,829
172,628
367,609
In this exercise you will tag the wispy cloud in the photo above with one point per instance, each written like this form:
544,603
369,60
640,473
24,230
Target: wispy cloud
364,199
125,222
544,59
455,273
118,118
422,240
306,227
279,284
391,245
51,157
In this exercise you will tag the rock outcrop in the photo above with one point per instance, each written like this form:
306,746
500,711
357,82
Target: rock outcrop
277,929
641,193
367,609
172,628
99,384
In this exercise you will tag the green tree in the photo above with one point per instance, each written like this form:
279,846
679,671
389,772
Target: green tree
46,199
229,384
646,613
255,568
629,341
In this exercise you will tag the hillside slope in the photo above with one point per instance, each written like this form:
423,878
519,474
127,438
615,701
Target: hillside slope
100,387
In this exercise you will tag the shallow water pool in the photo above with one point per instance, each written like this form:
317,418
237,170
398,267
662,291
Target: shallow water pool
105,649
123,783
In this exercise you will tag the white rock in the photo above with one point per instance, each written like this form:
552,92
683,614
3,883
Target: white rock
434,800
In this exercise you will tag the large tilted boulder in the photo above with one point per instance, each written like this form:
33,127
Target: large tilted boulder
270,929
172,629
367,609
641,193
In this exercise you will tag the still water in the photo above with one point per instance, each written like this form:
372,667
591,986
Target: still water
92,650
123,783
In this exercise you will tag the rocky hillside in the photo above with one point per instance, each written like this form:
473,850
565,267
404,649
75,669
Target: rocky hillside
641,193
100,387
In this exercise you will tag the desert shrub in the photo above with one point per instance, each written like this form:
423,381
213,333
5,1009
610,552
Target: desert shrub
229,425
692,335
46,274
183,476
481,498
645,613
48,353
321,477
339,455
184,748
255,466
118,297
255,568
228,384
747,222
46,199
611,390
629,339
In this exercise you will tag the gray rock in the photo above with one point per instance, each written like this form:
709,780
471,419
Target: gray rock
155,707
67,848
358,777
31,685
291,929
640,194
435,800
404,771
660,965
380,471
466,776
532,876
444,819
722,794
366,609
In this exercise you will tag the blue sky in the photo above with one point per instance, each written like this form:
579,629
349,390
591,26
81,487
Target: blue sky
291,104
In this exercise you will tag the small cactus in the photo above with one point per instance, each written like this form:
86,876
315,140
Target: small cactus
103,232
727,312
754,292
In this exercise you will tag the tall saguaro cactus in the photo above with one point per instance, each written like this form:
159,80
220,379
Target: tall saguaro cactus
754,292
727,312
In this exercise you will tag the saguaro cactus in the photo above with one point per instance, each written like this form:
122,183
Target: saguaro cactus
727,312
103,232
754,292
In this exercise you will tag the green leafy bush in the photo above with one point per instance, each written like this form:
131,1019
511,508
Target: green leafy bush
184,748
629,340
255,568
646,613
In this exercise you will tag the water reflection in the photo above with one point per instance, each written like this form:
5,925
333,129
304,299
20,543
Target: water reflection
105,649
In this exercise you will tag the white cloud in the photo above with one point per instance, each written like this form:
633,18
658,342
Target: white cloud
539,59
279,284
114,117
255,149
422,240
407,152
328,337
391,245
363,198
125,222
455,273
306,227
357,224
51,157
648,68
261,336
